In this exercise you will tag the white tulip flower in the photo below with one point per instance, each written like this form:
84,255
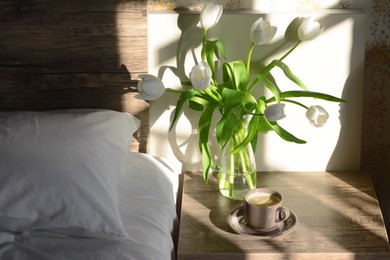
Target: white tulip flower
150,87
200,76
262,32
309,29
210,15
274,112
317,116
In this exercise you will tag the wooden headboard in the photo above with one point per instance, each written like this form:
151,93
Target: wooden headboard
74,54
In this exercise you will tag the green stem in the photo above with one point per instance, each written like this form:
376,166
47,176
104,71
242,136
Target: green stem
290,51
270,66
294,102
233,143
204,56
244,157
264,72
248,61
231,176
174,90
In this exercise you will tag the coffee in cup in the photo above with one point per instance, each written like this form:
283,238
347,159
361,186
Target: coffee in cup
263,209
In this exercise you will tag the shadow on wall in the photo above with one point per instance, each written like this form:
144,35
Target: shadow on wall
181,51
353,94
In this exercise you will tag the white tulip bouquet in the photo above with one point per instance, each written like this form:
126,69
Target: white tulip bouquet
233,97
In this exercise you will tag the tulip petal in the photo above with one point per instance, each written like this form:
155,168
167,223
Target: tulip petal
317,116
262,32
274,112
210,15
309,29
200,76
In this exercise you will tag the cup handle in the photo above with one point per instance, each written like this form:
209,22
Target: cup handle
282,213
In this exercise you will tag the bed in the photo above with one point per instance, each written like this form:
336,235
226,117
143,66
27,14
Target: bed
76,181
71,189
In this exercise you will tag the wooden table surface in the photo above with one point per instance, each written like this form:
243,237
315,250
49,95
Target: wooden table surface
338,218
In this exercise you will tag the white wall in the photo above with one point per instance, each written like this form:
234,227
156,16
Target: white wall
332,63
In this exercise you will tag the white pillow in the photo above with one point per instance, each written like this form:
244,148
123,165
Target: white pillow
58,170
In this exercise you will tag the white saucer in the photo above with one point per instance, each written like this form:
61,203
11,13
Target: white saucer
237,223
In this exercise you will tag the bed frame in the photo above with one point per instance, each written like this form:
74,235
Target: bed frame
74,54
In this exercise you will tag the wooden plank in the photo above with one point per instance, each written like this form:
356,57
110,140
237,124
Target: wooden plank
338,218
72,37
67,6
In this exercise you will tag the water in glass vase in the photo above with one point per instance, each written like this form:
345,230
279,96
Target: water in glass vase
235,186
237,173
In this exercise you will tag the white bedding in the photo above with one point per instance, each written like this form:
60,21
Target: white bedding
147,192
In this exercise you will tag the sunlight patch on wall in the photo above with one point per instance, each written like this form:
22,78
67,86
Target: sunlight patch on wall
336,70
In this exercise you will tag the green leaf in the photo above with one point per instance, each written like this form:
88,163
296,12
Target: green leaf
197,103
209,51
206,160
284,134
216,47
229,125
235,72
182,99
204,129
289,74
227,76
212,49
257,124
263,125
270,86
213,93
294,102
249,102
300,93
219,49
231,98
251,133
261,105
225,85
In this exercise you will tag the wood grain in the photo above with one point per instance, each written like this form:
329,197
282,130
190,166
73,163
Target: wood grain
338,218
74,54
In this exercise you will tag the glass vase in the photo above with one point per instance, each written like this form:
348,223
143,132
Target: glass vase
237,173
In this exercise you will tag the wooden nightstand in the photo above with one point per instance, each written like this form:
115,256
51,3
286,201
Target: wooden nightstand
338,218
